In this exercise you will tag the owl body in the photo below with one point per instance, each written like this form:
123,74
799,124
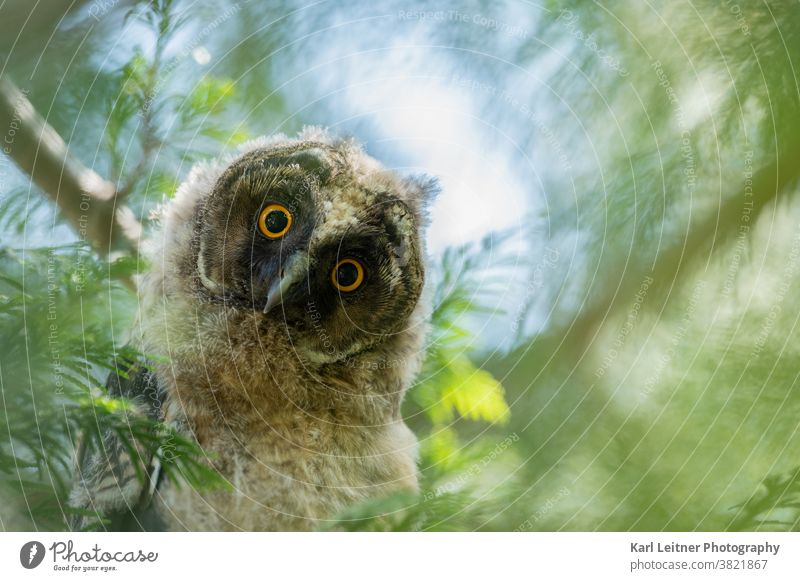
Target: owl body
286,357
297,441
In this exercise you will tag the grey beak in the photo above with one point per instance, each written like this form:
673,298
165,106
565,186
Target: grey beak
280,286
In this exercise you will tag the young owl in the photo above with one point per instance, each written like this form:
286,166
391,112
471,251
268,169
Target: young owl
284,298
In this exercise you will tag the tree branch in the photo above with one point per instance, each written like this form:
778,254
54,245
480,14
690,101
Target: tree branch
89,202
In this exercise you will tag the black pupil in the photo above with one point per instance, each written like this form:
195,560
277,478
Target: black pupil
346,274
276,221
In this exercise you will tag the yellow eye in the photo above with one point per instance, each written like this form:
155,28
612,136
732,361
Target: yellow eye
347,275
274,221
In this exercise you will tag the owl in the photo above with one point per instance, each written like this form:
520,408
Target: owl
284,301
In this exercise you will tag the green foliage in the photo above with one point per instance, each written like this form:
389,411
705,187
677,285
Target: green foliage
152,109
664,142
776,506
16,207
61,327
450,382
208,99
465,389
65,315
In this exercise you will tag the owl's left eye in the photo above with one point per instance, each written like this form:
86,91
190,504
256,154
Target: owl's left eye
347,275
275,221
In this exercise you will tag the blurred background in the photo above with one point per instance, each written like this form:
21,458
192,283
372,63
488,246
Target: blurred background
615,249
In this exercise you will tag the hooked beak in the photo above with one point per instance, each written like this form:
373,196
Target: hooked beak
281,285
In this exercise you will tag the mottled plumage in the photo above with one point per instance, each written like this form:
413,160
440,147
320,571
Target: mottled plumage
298,406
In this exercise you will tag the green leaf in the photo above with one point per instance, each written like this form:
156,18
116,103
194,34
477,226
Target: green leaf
126,266
471,392
210,95
440,447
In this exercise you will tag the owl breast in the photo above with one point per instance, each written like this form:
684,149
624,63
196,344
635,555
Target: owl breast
297,444
296,473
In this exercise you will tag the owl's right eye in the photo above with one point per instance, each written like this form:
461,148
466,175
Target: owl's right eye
347,275
275,221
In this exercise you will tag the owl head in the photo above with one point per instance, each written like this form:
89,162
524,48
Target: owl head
312,235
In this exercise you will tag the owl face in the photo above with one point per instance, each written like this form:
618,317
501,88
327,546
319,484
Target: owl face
317,237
